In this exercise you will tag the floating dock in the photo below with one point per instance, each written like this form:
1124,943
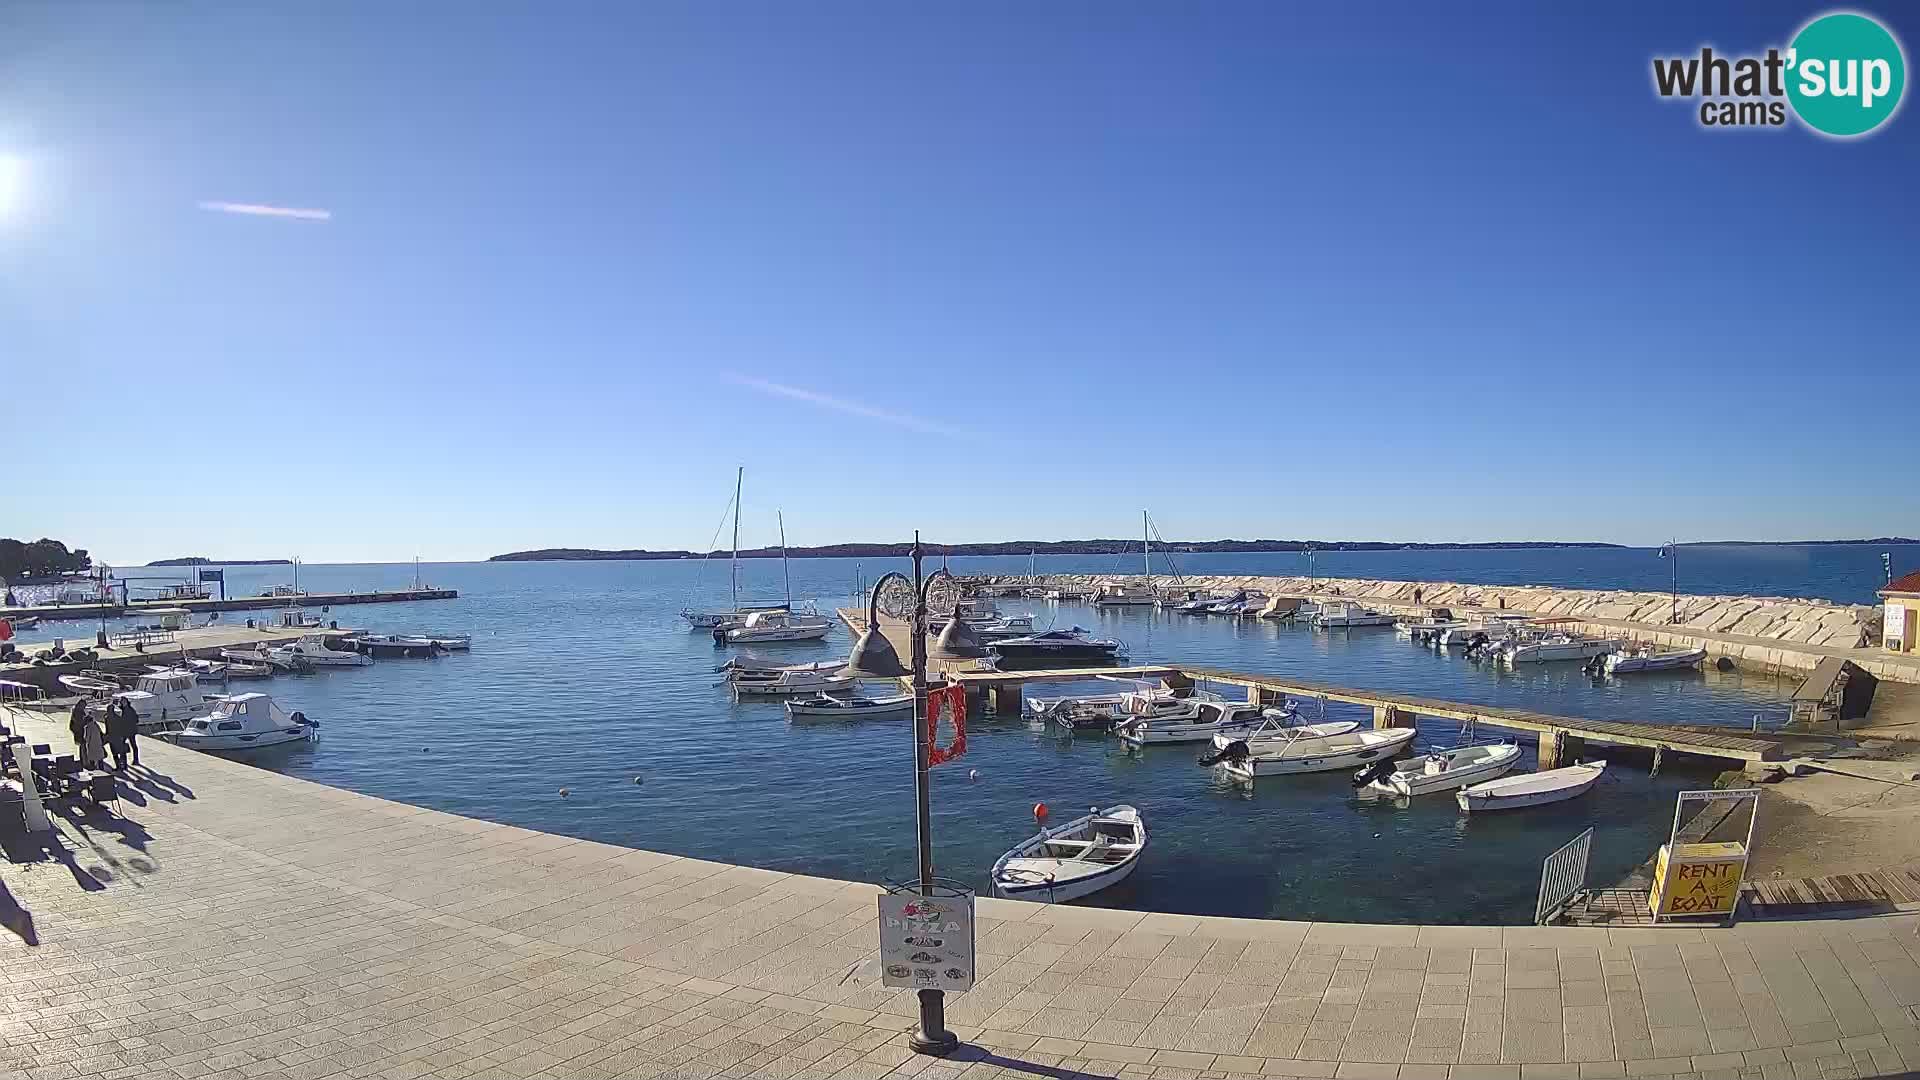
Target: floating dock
1563,739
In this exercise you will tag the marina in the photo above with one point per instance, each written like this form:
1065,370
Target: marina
690,736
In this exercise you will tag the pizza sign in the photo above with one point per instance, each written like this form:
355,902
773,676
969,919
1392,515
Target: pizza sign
926,942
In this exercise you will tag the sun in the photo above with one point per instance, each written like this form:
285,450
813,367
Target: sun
13,176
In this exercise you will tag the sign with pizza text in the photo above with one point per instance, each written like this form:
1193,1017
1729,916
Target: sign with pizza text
926,942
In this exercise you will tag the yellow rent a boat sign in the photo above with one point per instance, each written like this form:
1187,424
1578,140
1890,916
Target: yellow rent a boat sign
1698,879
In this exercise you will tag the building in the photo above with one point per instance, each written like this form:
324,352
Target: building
1900,629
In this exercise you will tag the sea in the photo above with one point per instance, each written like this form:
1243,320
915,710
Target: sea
586,707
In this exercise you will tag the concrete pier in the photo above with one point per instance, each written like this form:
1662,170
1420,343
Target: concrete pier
231,923
232,603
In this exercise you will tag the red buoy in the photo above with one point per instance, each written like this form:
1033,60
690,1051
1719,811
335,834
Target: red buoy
1039,811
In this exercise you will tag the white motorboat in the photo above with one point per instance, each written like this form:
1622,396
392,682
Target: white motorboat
1194,721
248,669
243,722
1488,627
829,707
295,619
209,670
1337,614
165,695
450,642
764,626
1553,647
1080,858
1636,660
1318,755
1116,594
315,651
283,590
1446,770
90,686
804,680
1277,730
1533,789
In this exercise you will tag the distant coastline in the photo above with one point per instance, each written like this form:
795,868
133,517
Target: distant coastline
1121,547
1025,547
200,560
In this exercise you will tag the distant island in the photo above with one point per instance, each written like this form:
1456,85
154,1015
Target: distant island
1890,541
1029,547
201,560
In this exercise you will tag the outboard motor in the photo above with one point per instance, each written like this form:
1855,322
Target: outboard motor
1377,770
1235,752
719,635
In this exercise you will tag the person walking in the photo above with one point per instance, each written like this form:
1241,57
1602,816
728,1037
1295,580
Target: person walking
133,732
77,722
119,730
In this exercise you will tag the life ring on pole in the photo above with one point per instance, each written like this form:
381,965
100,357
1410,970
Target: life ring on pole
950,700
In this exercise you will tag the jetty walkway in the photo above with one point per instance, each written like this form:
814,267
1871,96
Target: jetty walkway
1562,739
232,603
230,922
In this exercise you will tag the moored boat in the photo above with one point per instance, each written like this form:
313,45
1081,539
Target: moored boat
767,626
1317,755
1446,770
1337,614
829,707
1637,660
806,680
1191,721
396,645
1533,789
1553,647
315,650
243,722
1072,644
1278,730
1080,858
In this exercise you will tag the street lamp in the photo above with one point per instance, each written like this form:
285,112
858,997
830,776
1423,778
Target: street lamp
874,657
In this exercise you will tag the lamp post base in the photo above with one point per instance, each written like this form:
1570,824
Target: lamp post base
932,1037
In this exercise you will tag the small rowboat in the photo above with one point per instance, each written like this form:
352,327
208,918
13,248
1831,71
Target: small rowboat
828,707
1533,789
246,669
1447,770
88,686
1077,859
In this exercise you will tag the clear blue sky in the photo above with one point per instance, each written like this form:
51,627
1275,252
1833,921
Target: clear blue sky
1384,272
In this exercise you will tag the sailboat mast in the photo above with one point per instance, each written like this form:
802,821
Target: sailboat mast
1146,548
785,574
739,477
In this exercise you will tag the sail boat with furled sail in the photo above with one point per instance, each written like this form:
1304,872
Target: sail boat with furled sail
736,611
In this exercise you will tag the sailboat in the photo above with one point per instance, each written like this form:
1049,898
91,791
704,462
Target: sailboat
1121,594
782,624
736,612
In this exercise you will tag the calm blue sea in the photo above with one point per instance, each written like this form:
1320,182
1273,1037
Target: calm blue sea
581,676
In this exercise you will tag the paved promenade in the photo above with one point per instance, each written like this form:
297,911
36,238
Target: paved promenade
237,923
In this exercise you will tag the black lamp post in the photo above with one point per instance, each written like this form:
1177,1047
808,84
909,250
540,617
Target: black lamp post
873,657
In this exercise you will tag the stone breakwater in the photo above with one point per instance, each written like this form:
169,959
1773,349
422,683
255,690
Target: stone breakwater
1768,632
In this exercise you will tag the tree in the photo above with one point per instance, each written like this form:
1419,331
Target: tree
41,557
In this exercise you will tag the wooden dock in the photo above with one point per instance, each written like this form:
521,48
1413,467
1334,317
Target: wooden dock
1562,738
232,603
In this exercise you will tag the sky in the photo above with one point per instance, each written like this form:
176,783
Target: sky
362,281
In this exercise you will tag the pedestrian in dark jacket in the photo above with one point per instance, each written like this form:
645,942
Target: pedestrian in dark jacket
133,730
120,726
77,724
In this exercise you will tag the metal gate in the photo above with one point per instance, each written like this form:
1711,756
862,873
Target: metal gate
1563,874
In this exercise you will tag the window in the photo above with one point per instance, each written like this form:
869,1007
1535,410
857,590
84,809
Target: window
229,725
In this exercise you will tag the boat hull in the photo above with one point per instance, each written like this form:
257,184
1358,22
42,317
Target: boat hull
1328,761
1627,664
1065,652
1007,885
1558,651
237,742
1409,784
1482,801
